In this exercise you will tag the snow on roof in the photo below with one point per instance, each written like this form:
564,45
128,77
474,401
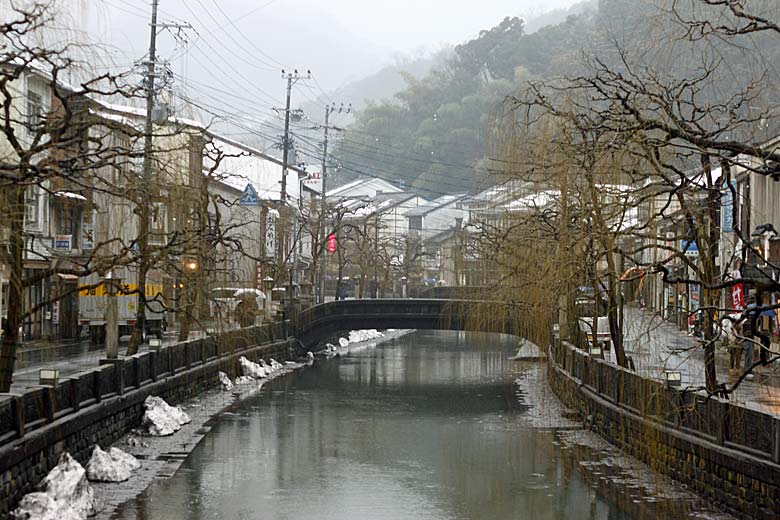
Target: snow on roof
364,206
364,187
435,204
139,112
539,199
242,165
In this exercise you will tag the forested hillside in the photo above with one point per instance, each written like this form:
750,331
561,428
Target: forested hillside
431,135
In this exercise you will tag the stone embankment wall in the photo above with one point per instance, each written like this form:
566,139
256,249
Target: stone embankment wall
100,405
727,453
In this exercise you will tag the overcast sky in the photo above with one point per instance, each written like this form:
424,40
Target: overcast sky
408,24
230,59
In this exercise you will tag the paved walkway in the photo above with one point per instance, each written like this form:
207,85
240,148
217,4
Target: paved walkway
657,345
67,356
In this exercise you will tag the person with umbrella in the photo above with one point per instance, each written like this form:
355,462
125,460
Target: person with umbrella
246,309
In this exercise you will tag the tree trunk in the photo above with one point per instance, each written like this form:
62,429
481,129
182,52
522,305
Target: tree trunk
15,310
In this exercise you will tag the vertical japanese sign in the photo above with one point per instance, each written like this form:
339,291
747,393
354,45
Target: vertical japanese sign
87,230
737,293
55,312
259,276
270,232
727,209
331,243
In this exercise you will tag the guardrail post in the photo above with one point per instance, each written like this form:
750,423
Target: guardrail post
96,386
49,402
186,349
136,373
153,365
18,410
119,373
75,395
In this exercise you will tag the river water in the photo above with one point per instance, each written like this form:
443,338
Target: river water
424,427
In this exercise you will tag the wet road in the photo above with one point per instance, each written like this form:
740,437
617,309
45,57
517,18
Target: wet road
426,427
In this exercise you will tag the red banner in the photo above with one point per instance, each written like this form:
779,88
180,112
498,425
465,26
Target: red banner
738,296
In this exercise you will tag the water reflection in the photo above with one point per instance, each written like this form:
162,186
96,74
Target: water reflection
425,427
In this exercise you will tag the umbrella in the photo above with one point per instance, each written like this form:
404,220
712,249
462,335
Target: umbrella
249,293
768,312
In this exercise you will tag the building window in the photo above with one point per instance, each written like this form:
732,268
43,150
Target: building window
66,224
415,223
34,112
31,207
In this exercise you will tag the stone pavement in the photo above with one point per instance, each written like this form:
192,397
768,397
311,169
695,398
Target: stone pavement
68,356
657,345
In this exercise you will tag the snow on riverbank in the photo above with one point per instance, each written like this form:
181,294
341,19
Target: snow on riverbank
224,380
161,419
359,340
65,494
112,466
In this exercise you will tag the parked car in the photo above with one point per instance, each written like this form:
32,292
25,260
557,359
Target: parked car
585,308
223,301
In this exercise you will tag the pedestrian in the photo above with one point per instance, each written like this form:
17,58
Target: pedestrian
729,331
246,310
748,331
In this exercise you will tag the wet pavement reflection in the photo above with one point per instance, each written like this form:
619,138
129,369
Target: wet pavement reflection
423,427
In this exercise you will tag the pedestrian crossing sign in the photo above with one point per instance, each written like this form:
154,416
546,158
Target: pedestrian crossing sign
249,197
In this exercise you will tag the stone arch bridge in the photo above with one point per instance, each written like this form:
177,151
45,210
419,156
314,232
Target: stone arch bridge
321,321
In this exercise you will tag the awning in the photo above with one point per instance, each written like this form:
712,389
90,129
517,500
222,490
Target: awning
68,276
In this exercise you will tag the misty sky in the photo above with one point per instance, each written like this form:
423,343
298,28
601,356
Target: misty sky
229,61
407,24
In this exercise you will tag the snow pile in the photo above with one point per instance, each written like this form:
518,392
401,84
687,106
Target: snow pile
359,336
263,370
364,336
112,466
528,351
227,384
65,494
252,369
245,380
161,419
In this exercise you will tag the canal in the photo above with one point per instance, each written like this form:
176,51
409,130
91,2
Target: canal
424,427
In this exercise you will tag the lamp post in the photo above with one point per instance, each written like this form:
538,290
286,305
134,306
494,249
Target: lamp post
187,292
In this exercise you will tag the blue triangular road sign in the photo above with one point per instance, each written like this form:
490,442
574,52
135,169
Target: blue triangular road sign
249,197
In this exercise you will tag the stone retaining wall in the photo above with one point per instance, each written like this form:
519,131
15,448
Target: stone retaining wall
114,404
732,465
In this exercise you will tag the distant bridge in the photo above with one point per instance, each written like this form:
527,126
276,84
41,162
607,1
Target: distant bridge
320,321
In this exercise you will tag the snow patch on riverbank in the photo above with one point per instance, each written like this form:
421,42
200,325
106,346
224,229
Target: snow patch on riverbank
224,380
162,419
65,494
357,340
112,466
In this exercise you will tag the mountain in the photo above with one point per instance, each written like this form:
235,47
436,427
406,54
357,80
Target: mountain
557,16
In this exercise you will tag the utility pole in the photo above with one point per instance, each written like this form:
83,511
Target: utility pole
143,209
329,109
145,200
292,78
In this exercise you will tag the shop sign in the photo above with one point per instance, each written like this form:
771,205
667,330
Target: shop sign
62,242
